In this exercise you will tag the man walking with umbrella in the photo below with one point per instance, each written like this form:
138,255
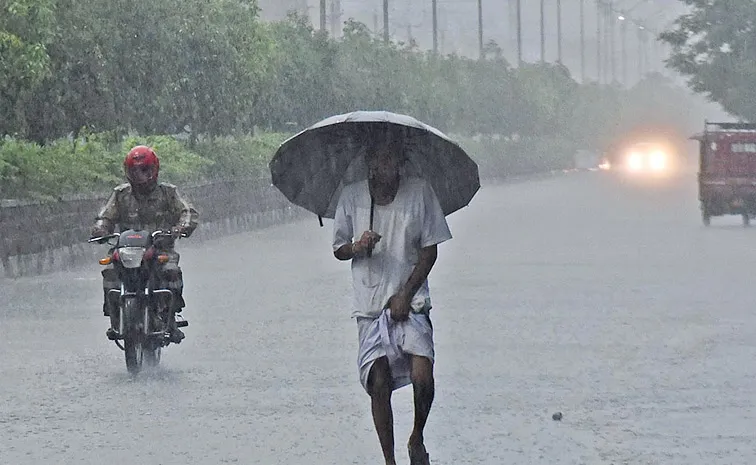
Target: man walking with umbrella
388,181
390,267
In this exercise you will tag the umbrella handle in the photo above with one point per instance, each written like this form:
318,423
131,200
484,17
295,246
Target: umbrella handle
372,210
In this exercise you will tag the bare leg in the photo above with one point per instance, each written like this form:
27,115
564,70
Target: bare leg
379,385
423,386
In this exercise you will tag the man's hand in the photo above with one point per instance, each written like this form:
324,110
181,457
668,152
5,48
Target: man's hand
360,248
367,242
399,306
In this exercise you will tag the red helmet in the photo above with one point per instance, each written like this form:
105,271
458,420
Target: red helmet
142,167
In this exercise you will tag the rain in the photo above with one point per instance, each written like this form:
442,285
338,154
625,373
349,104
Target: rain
592,307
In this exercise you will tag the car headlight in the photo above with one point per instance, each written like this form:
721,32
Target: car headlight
635,161
657,161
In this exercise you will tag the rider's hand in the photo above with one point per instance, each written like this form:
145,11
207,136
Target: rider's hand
400,306
177,231
98,231
367,242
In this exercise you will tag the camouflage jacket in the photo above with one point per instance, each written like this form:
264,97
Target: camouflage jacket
163,208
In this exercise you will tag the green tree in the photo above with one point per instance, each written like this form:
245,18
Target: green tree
300,88
715,47
153,67
25,31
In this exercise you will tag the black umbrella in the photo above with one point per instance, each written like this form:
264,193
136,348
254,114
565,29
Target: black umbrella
312,167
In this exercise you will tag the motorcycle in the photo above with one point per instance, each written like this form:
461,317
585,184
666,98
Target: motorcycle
145,314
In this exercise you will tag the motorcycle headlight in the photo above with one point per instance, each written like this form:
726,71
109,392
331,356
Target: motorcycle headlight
131,257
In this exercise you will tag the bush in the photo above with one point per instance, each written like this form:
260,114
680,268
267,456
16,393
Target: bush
240,157
93,164
500,157
28,170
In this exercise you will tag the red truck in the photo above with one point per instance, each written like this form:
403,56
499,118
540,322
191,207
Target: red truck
727,170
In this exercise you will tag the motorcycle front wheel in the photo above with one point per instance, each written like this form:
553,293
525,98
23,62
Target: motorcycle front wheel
151,356
133,340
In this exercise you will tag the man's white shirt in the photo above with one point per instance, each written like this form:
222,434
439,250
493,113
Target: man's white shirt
413,220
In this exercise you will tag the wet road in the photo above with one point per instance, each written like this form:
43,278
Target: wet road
606,301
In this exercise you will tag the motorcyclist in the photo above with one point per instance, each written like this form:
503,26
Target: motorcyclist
144,203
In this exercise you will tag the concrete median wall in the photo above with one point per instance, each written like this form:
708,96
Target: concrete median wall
39,238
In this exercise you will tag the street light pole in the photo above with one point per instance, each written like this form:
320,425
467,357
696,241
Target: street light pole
640,53
339,26
385,22
613,48
559,31
582,40
333,19
607,45
480,28
322,15
435,26
599,68
623,38
519,33
658,60
543,38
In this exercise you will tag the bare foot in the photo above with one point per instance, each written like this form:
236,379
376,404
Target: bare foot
417,453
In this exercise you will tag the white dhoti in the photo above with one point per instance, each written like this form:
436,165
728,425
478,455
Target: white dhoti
396,340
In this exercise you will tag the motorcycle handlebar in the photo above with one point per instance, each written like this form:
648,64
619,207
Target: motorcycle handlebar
163,233
103,239
155,234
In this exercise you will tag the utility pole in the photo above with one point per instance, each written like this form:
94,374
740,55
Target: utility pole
339,24
519,33
640,52
559,31
605,47
322,15
543,38
611,41
512,26
599,74
385,22
623,31
333,18
582,41
658,61
444,19
435,27
480,28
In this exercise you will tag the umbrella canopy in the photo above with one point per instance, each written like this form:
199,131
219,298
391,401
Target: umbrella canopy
312,167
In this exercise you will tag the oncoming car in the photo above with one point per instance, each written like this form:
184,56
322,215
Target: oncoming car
640,158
